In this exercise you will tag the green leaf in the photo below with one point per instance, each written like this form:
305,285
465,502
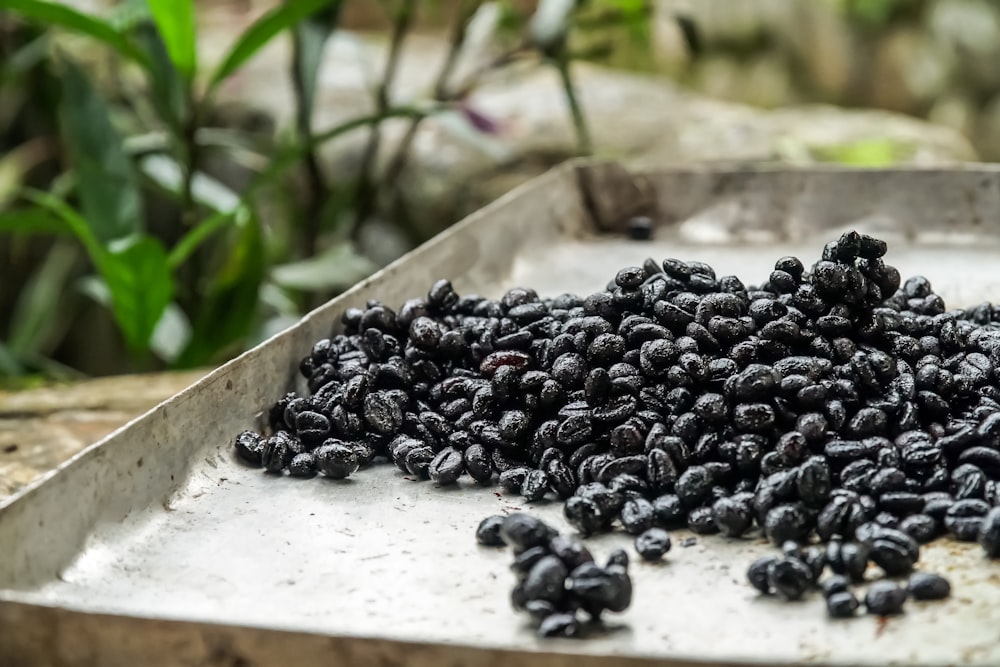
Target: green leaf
166,173
228,310
25,58
59,15
128,14
172,334
9,364
134,269
310,37
106,183
334,269
168,89
77,224
176,22
200,233
261,33
141,286
40,305
32,221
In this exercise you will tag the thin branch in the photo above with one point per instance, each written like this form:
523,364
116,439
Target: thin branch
441,93
402,21
316,190
583,140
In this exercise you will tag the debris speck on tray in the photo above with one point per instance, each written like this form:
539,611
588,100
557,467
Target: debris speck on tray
844,415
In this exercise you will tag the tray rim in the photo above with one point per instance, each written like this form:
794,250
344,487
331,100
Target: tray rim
580,175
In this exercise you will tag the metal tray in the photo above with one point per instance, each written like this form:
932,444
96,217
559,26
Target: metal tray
155,547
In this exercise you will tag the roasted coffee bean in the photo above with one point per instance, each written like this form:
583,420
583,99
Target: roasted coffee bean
535,485
488,531
336,460
303,465
447,466
546,580
757,573
928,586
885,598
693,485
701,521
732,516
989,533
833,584
477,463
965,517
571,552
652,543
601,588
813,482
383,413
250,448
842,604
787,522
668,511
522,532
920,527
586,515
559,625
637,515
276,453
789,577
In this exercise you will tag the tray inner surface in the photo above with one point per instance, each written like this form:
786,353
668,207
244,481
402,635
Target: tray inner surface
382,555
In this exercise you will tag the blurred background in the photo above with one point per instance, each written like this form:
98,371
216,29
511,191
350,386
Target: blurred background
180,179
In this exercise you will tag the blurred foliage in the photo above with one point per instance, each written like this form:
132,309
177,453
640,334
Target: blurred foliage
877,13
121,250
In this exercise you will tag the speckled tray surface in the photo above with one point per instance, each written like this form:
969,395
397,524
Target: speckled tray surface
155,546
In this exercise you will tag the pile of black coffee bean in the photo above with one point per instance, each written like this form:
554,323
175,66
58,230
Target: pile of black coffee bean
557,577
847,415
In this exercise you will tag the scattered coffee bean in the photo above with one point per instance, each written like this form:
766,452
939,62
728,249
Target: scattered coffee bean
928,586
885,598
652,544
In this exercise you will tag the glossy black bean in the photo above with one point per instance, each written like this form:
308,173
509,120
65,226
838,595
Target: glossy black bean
521,532
701,520
336,460
885,598
535,485
928,586
250,448
488,531
637,515
989,533
733,516
559,624
920,527
835,583
447,466
785,522
652,544
789,577
965,518
303,465
842,604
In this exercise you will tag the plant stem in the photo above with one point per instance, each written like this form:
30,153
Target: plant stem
189,152
316,190
583,141
188,149
441,94
367,185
